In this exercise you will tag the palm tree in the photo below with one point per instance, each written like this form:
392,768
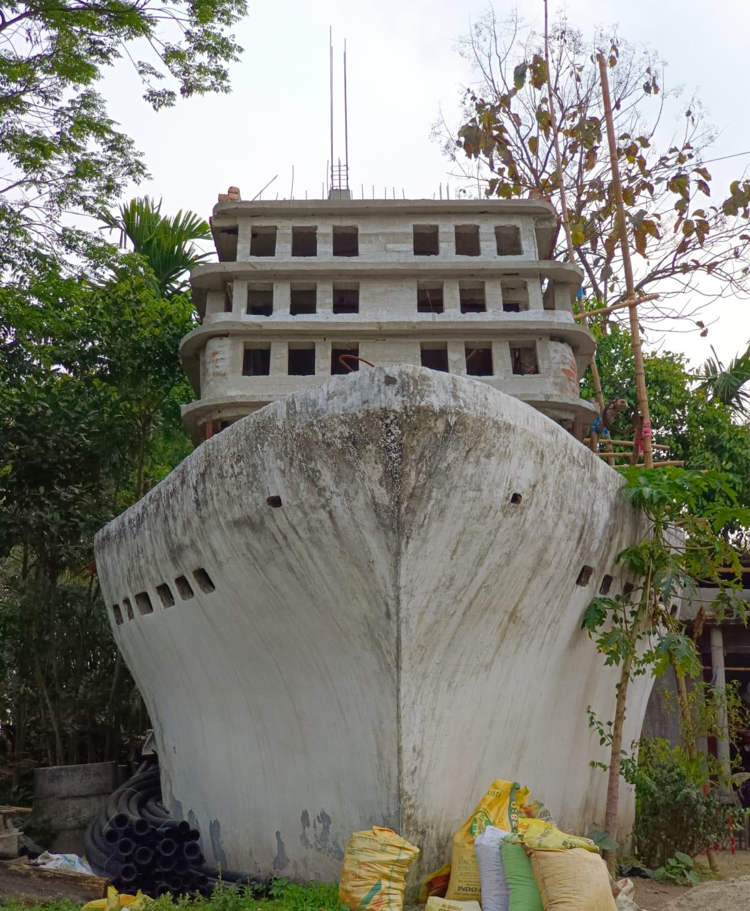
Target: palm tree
727,384
166,243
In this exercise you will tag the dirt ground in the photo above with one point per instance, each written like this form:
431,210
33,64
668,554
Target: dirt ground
732,893
32,886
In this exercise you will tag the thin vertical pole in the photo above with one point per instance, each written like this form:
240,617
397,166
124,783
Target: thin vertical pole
330,68
720,687
635,331
346,124
595,378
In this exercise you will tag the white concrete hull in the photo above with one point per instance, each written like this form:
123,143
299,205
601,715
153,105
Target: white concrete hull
387,642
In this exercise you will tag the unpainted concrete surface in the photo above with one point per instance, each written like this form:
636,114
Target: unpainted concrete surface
402,629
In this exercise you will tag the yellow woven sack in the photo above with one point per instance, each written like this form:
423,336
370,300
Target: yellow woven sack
373,877
543,836
574,880
501,807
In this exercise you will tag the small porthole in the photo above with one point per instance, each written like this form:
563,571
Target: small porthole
606,585
117,614
143,603
274,501
584,575
165,593
627,590
674,609
204,580
516,499
184,589
128,608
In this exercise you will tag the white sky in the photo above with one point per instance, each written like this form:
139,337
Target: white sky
403,69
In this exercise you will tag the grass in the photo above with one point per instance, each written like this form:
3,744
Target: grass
284,896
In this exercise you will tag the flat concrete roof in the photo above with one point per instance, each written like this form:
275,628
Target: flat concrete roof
359,207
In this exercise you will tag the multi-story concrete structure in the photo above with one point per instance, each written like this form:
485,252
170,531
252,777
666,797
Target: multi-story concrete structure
306,289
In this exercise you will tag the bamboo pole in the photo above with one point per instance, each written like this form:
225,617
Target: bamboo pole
640,375
624,303
595,377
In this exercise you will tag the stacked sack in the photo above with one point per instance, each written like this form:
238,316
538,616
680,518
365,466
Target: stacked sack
540,868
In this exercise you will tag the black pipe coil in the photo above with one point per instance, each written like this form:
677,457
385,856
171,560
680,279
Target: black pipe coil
138,844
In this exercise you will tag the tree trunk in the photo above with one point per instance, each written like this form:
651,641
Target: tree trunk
59,750
613,782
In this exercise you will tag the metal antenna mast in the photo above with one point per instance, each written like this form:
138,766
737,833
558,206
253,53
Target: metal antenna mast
339,185
330,67
346,124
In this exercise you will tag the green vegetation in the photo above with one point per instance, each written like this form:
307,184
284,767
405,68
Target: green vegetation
90,389
678,806
90,379
60,152
686,543
284,896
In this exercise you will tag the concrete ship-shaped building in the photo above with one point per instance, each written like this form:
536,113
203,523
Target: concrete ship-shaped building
359,600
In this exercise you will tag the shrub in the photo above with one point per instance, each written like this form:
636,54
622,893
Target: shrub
675,810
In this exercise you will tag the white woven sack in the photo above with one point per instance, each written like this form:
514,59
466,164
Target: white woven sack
495,891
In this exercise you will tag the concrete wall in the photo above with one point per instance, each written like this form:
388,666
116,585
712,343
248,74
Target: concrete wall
399,631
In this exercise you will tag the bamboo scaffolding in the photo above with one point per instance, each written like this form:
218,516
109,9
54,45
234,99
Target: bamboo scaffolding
640,375
595,377
628,302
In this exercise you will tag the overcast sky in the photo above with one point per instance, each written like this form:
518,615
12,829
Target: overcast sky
404,68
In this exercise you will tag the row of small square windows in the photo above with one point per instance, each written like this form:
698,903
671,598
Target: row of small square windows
584,577
143,601
301,359
303,299
426,242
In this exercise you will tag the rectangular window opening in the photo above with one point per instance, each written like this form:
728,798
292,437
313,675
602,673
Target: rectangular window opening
606,585
228,298
515,296
184,589
260,300
471,296
263,241
256,361
343,359
478,359
345,241
117,614
204,581
301,361
143,603
303,300
346,298
508,240
305,241
430,297
467,240
128,608
426,242
523,360
434,355
165,594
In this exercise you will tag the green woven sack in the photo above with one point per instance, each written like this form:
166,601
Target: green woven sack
524,893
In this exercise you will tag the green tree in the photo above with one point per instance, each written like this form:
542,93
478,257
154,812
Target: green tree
689,250
685,514
59,149
694,426
727,384
165,243
89,419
